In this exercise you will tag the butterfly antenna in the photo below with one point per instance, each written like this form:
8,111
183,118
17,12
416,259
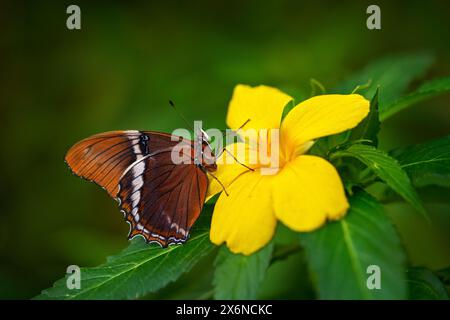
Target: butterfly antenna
225,130
247,121
221,184
180,115
235,159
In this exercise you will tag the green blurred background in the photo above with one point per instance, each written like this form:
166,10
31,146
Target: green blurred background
118,72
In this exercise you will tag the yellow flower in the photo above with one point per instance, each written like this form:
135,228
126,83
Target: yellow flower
305,191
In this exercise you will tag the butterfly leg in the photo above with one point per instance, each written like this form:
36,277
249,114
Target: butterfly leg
221,184
235,159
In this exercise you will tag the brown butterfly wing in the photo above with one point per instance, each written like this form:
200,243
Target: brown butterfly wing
161,200
103,158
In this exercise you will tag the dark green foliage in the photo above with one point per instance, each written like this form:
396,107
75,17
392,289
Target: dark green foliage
340,253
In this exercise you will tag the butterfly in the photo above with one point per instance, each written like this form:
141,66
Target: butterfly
160,199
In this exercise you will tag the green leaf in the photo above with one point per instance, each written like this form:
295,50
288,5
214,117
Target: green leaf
392,74
425,285
237,276
387,169
370,126
340,253
426,91
138,270
427,163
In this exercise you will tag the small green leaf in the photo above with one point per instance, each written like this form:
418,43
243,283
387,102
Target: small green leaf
340,253
427,163
323,146
428,90
370,126
425,285
387,169
392,74
317,88
237,276
361,87
138,270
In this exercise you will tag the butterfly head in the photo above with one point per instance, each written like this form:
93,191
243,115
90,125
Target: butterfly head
205,137
208,161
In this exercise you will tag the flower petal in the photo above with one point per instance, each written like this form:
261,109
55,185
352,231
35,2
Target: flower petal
244,219
263,105
321,116
229,167
307,192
